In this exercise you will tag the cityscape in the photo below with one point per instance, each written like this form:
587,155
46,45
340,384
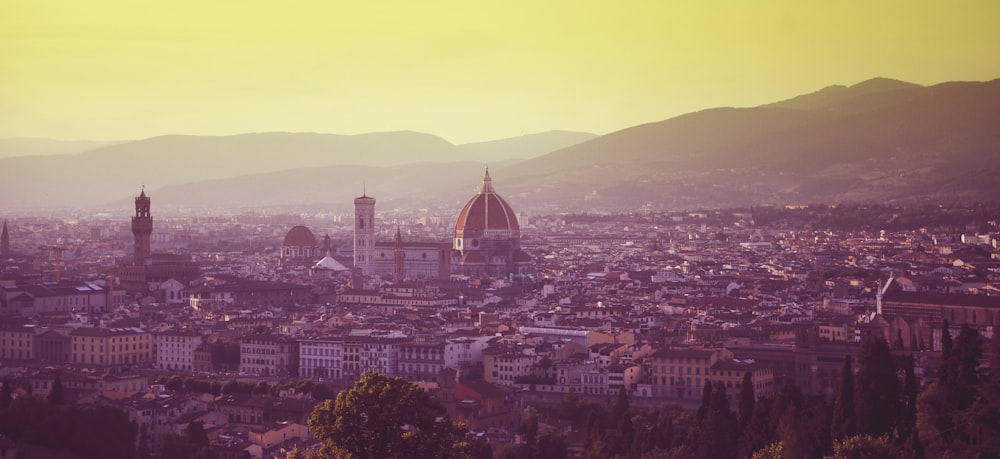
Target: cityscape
516,311
521,231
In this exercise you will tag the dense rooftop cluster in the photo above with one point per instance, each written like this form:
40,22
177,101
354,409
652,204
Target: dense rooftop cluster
649,306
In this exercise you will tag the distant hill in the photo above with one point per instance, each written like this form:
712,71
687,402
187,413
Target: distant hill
98,175
523,147
36,146
110,172
877,140
330,187
876,92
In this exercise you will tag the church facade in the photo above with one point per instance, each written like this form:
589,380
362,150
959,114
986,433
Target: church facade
397,259
487,242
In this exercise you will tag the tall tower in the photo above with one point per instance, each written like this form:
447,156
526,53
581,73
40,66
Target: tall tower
142,227
364,233
4,241
398,258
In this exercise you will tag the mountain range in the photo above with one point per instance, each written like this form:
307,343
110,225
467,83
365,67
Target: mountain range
107,174
878,140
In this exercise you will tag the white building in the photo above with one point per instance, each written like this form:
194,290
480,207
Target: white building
321,358
175,349
464,352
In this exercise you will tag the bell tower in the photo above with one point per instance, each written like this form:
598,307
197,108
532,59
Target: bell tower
4,241
142,227
398,258
364,233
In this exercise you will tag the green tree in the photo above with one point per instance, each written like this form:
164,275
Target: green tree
173,446
706,402
142,450
621,408
597,445
381,417
908,416
57,395
844,422
529,431
878,389
552,446
5,396
983,418
231,387
760,431
964,366
663,433
864,447
948,410
196,434
175,383
774,450
747,401
261,388
624,437
717,433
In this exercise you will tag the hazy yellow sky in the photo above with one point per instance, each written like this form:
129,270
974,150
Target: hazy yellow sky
465,70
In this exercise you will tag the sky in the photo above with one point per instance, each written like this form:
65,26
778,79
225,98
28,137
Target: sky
464,70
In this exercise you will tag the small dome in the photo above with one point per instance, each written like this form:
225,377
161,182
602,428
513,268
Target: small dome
300,236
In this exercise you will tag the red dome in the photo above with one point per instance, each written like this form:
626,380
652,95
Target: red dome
300,236
486,211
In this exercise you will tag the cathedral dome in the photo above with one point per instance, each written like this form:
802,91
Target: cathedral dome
300,236
486,211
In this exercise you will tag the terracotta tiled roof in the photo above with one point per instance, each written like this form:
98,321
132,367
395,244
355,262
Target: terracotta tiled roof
300,236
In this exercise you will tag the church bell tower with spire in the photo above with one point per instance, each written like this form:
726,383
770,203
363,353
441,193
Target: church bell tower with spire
398,258
364,233
142,228
4,241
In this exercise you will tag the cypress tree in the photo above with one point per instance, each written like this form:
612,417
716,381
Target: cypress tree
5,396
621,408
664,432
908,418
844,423
196,434
878,389
968,350
995,354
747,401
946,343
624,436
706,402
761,430
57,396
718,433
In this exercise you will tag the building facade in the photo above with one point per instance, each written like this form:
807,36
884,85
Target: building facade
269,355
112,347
175,349
321,357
